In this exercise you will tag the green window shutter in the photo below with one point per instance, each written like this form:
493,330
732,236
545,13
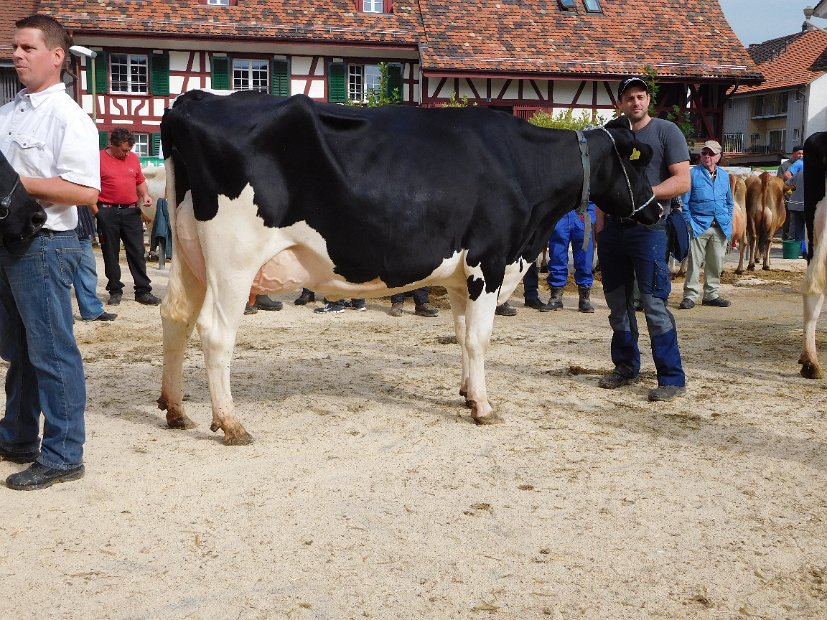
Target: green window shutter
280,84
154,145
220,73
103,139
394,81
159,74
101,73
336,84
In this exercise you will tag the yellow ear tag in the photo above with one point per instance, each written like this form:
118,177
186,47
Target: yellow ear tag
635,155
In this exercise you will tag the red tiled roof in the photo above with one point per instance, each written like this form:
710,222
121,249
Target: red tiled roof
491,36
535,35
286,20
792,65
10,12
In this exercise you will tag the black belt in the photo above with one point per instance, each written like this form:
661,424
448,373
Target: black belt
116,205
45,232
626,221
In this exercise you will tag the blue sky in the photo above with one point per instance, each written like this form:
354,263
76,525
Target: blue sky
755,21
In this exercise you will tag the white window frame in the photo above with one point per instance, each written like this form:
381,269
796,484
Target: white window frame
132,67
373,6
243,77
142,144
592,6
361,79
219,2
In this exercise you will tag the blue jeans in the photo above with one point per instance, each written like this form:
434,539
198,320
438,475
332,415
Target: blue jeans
86,283
45,367
630,251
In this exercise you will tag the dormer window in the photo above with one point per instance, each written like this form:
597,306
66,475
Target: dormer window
567,5
219,2
375,6
592,6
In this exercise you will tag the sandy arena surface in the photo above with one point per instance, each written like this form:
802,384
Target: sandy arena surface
368,493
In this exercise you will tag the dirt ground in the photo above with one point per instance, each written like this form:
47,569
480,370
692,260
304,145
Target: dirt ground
369,494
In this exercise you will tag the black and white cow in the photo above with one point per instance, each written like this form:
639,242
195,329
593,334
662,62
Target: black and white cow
815,217
20,215
363,202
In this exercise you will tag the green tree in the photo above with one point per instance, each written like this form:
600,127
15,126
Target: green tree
563,120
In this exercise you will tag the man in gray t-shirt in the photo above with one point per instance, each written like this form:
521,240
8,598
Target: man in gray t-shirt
630,251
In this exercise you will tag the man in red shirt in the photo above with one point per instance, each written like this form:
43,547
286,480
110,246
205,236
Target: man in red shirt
119,218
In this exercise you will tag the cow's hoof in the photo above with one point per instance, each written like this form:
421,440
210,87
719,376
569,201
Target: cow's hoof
469,404
811,371
738,272
239,439
751,268
765,268
491,418
179,422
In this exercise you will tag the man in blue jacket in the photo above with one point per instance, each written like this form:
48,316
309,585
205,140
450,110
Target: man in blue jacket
707,208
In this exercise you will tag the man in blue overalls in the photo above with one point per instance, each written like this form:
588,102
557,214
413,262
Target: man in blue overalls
568,231
628,250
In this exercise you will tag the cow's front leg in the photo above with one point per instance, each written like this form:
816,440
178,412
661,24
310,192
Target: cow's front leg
458,300
218,326
185,294
479,320
810,368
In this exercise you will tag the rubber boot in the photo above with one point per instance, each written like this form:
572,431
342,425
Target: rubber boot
555,302
584,305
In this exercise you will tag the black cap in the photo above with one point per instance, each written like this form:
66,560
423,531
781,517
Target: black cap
631,80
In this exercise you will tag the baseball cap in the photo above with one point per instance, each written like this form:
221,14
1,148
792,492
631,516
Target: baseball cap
713,146
631,80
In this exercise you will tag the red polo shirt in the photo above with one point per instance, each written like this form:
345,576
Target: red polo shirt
120,178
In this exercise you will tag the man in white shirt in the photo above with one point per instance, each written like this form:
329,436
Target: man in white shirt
52,144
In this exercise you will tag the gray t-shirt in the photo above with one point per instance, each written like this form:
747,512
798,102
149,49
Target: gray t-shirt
796,199
668,146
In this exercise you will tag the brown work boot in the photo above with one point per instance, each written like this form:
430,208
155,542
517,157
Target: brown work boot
426,310
396,309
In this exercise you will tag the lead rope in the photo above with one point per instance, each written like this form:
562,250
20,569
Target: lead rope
626,174
583,208
5,203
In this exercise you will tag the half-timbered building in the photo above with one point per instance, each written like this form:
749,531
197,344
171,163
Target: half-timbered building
514,56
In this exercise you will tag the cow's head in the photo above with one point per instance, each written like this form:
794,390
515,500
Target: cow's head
619,185
20,215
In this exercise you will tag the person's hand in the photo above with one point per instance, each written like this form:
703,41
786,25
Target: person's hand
147,200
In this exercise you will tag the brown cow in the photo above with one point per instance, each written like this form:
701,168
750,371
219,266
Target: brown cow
739,217
765,215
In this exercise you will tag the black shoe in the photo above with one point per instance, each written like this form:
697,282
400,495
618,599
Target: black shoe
505,310
18,457
614,380
40,477
686,304
248,309
148,299
537,305
358,305
305,298
426,310
263,302
106,316
718,302
638,306
331,306
114,299
666,392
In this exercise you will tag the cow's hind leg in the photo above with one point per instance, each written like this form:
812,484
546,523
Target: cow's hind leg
459,300
185,294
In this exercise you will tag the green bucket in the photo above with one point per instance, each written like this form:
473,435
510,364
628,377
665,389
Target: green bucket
792,248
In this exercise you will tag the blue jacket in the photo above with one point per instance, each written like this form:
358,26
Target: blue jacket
707,200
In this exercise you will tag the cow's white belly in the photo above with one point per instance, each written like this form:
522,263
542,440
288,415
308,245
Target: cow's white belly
236,242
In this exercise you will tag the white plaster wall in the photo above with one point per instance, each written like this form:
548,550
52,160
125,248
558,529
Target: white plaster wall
316,89
816,119
178,61
300,65
564,92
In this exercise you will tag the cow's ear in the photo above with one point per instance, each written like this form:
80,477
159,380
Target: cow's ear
621,122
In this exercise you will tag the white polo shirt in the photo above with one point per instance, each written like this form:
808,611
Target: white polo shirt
45,135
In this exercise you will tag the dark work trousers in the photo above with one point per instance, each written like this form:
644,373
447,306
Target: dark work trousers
420,296
116,224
